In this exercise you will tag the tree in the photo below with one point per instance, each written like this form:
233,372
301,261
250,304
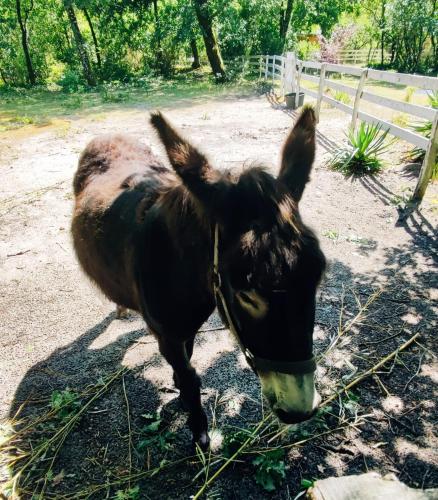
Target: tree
209,36
285,15
23,16
193,45
80,45
93,34
410,24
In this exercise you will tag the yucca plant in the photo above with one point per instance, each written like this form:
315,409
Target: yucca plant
424,128
362,154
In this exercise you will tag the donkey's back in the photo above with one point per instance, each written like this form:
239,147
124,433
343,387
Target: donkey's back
117,180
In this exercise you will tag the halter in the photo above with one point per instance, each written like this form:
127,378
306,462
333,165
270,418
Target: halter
255,362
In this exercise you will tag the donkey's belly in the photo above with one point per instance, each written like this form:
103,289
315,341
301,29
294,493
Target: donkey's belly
108,269
105,247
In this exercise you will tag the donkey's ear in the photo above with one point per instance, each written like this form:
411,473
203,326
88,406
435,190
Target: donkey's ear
186,160
189,164
299,153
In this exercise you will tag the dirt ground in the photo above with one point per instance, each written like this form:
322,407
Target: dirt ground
58,331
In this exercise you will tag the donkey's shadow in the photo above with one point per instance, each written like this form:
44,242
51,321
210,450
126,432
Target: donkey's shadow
100,441
100,436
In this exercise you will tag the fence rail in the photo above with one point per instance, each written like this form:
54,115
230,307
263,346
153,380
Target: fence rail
291,72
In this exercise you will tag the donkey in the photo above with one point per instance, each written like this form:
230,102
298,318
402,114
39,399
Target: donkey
173,244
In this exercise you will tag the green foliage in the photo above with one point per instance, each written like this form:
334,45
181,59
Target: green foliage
307,50
65,403
152,436
270,469
233,441
129,494
424,128
306,483
127,39
342,97
361,155
71,81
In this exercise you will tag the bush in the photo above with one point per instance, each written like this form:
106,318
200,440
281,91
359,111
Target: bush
361,155
424,128
71,81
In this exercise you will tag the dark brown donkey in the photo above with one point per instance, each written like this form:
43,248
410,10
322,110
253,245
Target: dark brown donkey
172,246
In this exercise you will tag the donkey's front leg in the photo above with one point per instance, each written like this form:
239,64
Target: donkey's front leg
189,385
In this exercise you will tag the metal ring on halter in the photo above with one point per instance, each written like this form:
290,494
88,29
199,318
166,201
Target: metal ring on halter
255,362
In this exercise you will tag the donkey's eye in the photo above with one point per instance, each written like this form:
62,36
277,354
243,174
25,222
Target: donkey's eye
252,303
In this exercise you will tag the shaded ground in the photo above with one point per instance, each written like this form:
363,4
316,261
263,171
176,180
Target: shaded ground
57,331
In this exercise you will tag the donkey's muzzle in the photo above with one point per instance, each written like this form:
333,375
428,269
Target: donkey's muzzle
294,417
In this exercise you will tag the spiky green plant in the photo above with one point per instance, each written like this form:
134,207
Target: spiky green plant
362,154
424,128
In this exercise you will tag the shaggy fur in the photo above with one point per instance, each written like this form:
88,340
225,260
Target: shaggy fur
143,233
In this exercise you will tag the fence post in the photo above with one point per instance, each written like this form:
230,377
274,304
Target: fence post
273,72
289,73
294,72
428,162
358,97
266,67
320,91
300,69
260,67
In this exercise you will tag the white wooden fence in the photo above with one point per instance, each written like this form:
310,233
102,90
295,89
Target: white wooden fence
361,56
291,72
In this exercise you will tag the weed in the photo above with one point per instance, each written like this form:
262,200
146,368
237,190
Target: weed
342,97
424,128
270,469
65,403
403,200
307,483
129,494
74,103
233,441
331,234
262,86
109,94
401,119
408,94
153,437
361,155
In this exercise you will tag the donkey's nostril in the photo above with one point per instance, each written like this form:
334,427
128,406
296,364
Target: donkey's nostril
294,417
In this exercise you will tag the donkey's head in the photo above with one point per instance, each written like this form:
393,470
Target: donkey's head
269,262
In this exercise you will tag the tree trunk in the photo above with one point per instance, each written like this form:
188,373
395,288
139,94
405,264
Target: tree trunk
210,41
195,64
22,21
159,61
93,34
3,76
83,56
382,34
285,17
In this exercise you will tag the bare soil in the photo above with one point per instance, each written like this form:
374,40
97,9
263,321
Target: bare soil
58,331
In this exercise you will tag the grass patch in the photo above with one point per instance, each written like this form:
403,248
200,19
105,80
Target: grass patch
21,107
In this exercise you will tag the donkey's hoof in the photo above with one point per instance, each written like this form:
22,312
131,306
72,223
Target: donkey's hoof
203,441
122,312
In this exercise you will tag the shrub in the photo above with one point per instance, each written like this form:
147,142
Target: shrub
424,128
71,81
361,155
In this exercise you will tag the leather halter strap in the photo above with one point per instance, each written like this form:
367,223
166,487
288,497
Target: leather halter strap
255,362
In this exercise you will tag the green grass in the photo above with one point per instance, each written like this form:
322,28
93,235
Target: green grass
21,107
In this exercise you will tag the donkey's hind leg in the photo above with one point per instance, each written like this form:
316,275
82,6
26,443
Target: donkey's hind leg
189,385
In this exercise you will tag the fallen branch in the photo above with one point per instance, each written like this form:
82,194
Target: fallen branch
370,371
358,379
